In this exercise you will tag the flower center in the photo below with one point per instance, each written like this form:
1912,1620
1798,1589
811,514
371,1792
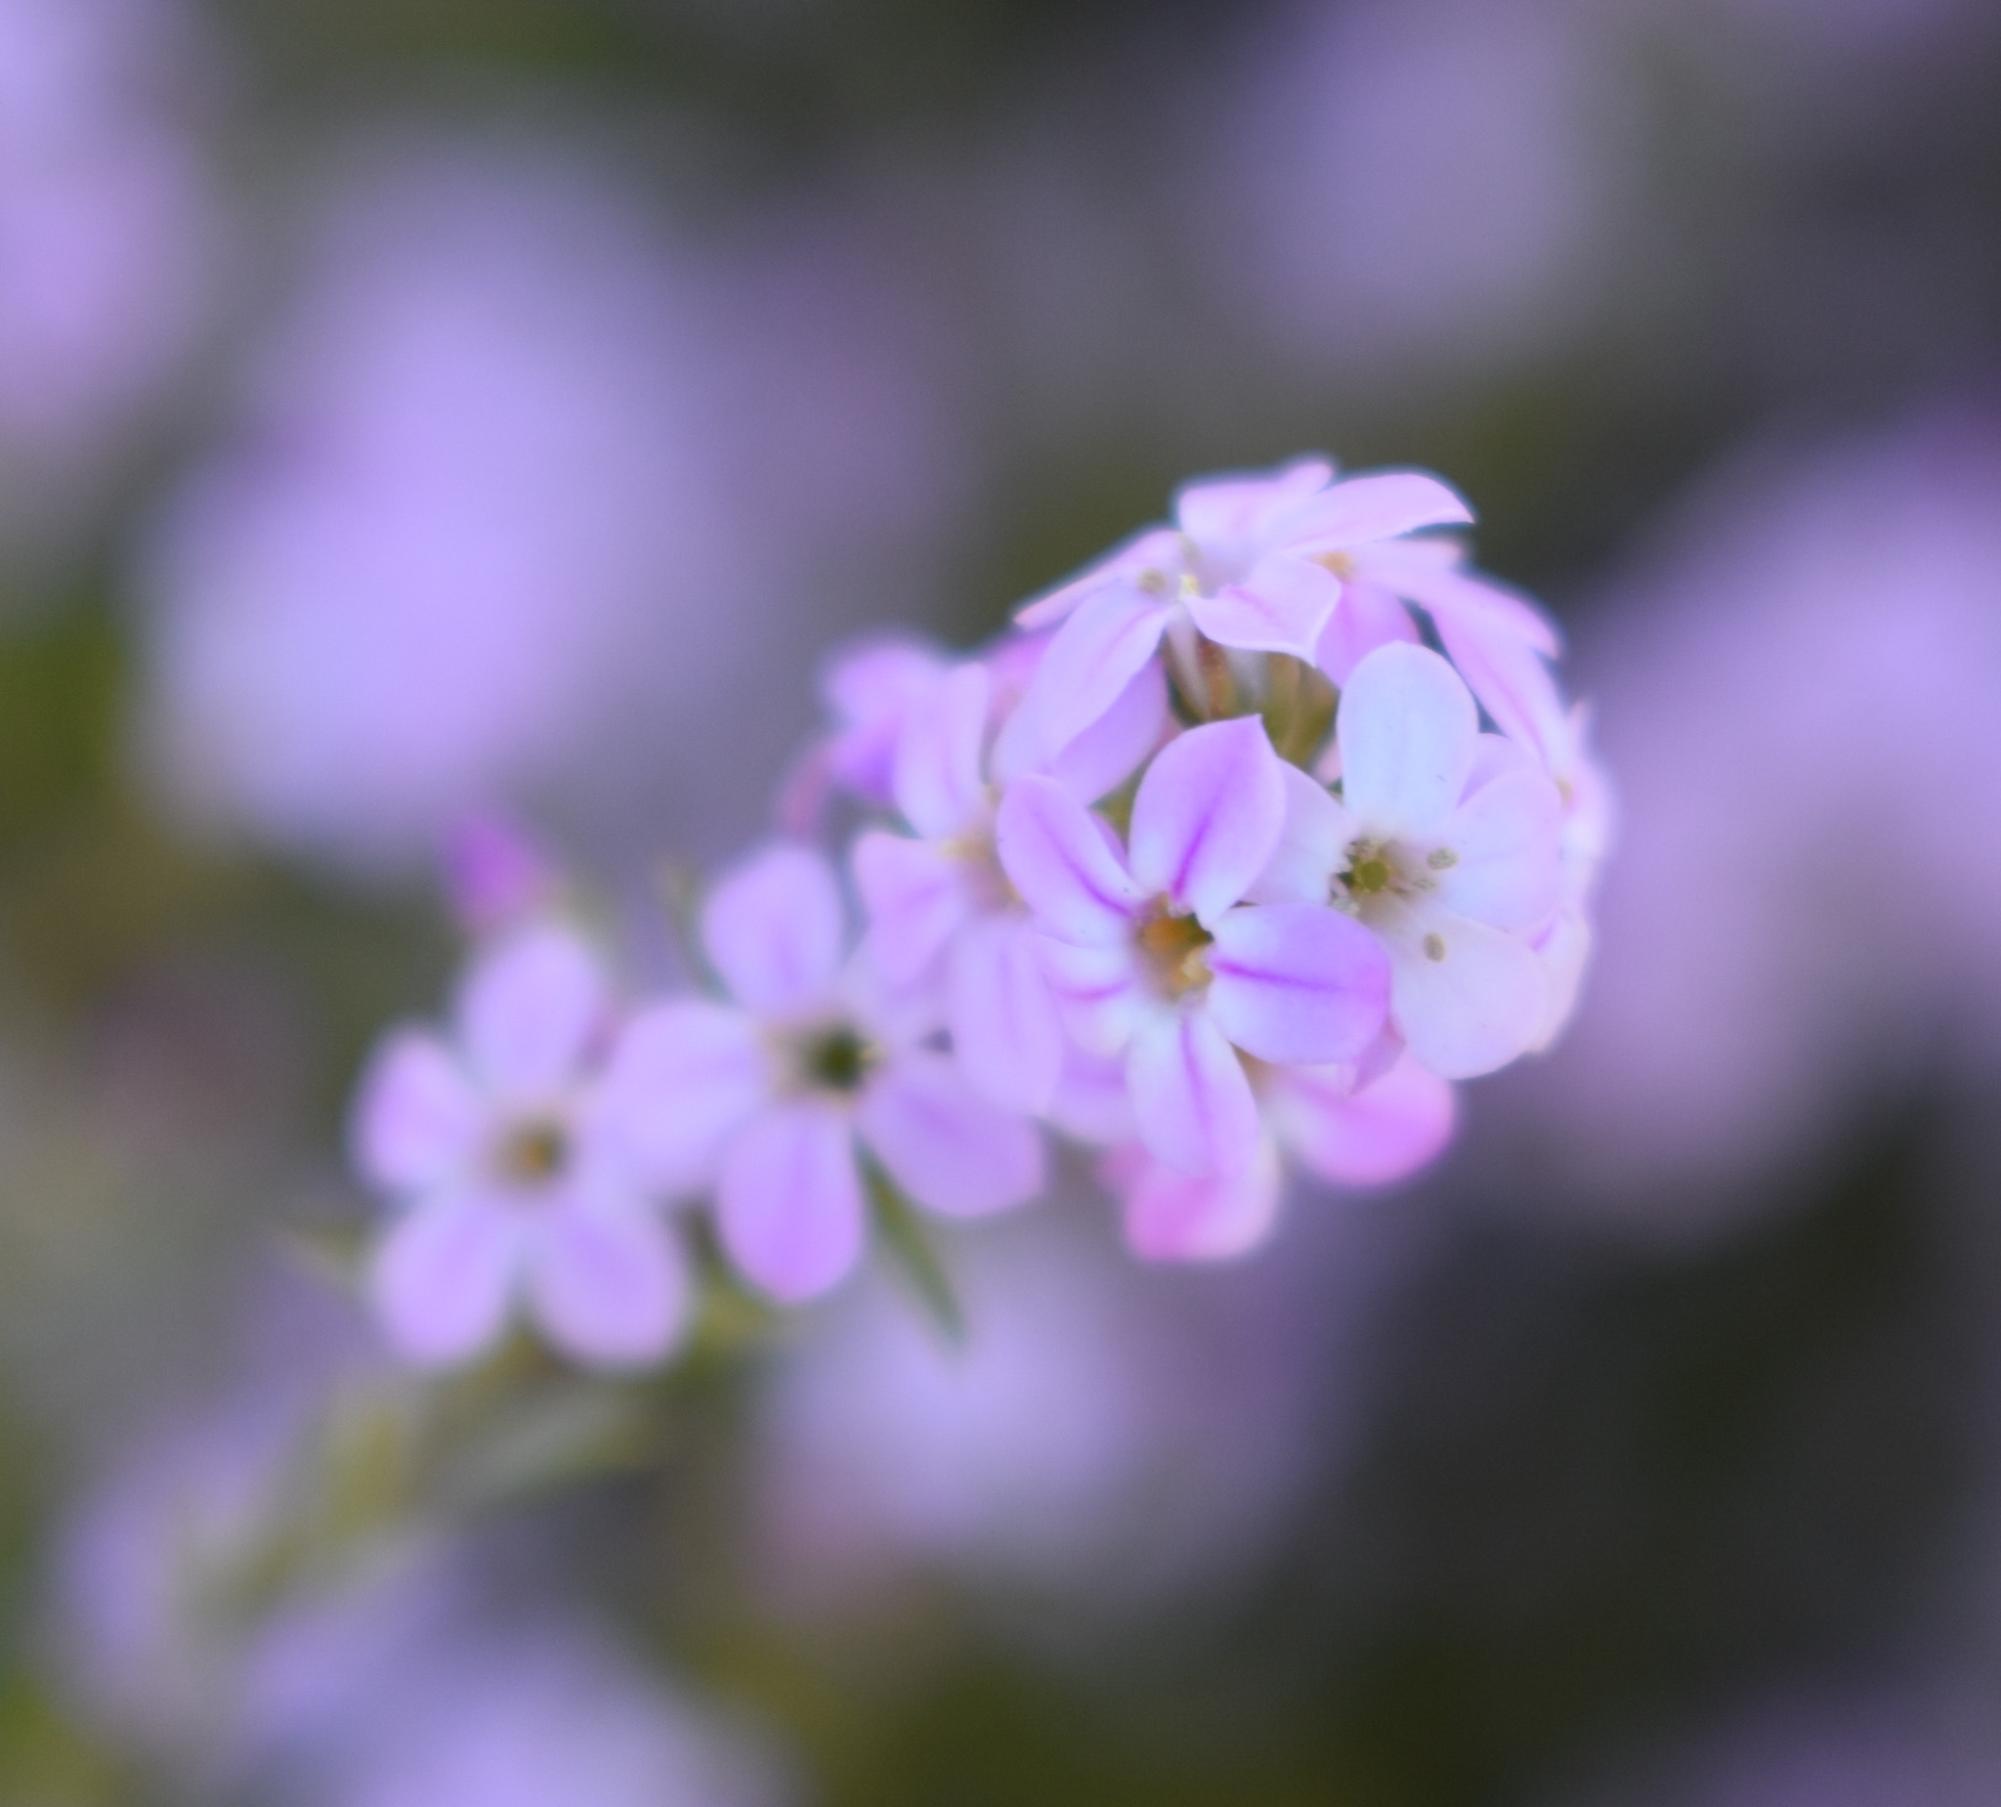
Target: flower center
1381,872
838,1058
1175,952
533,1152
985,877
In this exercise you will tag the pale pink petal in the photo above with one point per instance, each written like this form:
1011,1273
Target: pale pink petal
1091,1102
773,926
1158,548
1407,729
1058,857
417,1120
1507,855
938,777
1369,617
683,1077
870,688
1298,982
1232,511
1565,951
1367,1137
1209,812
607,1285
1312,846
1280,607
1512,683
443,1276
1005,1028
1095,655
1432,574
1172,1216
1467,998
528,1009
1119,742
943,1144
1191,1099
914,895
789,1207
1098,990
1380,506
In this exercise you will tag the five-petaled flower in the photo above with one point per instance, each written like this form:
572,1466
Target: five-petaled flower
1154,953
1445,843
775,1096
508,1188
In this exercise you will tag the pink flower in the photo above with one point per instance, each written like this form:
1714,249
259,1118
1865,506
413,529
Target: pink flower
1154,955
1446,844
1254,564
940,902
778,1094
509,1187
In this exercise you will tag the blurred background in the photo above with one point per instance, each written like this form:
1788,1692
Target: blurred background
412,410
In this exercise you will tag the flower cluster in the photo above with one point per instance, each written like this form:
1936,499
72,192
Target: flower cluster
1213,866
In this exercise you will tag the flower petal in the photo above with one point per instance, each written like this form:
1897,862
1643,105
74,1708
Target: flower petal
1225,512
1367,1137
1208,815
789,1206
442,1278
1369,617
1312,846
915,897
1172,1216
951,1150
1507,674
1118,743
417,1120
1155,548
1005,1028
1406,728
1433,574
1191,1099
528,1009
1280,607
1298,982
1098,992
1094,656
1467,998
1058,857
682,1078
773,926
1506,842
607,1285
940,787
1379,506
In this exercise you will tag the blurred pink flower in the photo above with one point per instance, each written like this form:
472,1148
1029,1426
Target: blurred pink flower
529,1713
1796,694
1101,1438
111,230
522,495
509,1187
775,1096
1404,190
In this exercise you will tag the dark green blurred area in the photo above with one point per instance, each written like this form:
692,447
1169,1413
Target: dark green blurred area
1600,1490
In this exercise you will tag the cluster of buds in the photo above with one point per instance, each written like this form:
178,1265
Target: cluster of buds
1238,853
